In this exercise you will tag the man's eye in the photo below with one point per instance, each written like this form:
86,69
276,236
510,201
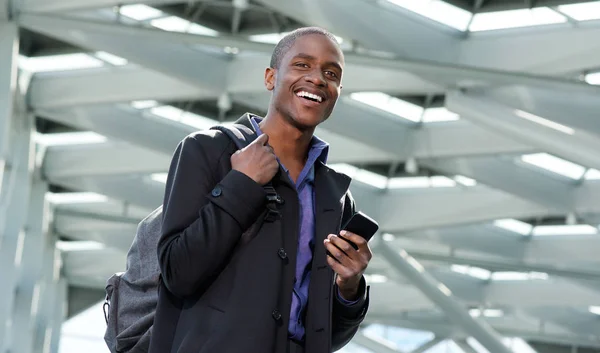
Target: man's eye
331,73
301,65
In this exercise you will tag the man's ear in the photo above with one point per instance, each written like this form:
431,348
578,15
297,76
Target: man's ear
270,78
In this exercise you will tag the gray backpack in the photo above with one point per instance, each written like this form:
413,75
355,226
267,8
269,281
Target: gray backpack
132,296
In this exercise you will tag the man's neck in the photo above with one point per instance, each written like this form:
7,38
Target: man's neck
289,142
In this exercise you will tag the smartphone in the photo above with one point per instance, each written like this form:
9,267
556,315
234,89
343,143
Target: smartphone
360,224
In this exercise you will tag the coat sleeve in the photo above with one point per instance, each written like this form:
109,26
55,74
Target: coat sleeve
203,218
347,317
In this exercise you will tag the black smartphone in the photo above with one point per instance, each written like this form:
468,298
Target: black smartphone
360,224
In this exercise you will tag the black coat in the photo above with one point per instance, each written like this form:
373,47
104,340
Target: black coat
214,299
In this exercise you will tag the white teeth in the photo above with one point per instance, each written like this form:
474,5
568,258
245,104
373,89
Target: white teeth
309,95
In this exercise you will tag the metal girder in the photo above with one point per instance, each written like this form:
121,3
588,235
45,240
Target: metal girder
107,158
443,297
576,320
372,344
507,326
74,5
536,48
9,49
124,123
579,111
109,85
142,46
354,19
578,147
91,268
572,250
506,175
30,274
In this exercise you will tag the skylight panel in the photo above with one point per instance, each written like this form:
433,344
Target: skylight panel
377,180
515,18
144,104
390,104
582,12
140,12
555,165
486,313
518,276
594,310
187,118
544,122
178,24
160,177
274,38
439,11
111,59
68,138
409,183
79,245
514,225
375,278
592,174
472,271
435,115
578,229
75,197
465,181
593,79
62,62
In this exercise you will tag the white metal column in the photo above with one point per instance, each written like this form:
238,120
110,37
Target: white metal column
408,267
16,152
29,285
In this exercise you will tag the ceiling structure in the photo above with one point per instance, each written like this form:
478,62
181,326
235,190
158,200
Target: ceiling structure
476,150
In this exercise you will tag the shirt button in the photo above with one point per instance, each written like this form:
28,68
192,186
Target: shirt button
276,315
217,191
282,254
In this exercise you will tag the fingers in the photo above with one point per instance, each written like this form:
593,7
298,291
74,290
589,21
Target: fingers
262,140
341,244
355,238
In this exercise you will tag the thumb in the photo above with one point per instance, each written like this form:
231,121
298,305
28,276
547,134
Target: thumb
262,139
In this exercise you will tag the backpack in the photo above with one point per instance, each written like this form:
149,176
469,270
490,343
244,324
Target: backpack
132,296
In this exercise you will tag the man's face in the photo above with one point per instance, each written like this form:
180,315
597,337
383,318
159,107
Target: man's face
307,83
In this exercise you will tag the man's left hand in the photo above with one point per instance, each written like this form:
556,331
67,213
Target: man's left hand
348,263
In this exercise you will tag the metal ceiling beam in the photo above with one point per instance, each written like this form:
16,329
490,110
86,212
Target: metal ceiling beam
507,326
408,267
35,6
577,320
536,48
109,85
506,175
145,47
579,111
578,147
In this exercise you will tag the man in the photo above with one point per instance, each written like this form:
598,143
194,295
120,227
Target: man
296,285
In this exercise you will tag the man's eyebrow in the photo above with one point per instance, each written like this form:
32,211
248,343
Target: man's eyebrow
312,58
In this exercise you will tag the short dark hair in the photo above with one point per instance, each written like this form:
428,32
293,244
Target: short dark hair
288,41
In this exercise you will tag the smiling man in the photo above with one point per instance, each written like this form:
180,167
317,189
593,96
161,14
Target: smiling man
296,285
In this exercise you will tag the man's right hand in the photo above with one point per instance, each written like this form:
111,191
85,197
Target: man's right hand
257,161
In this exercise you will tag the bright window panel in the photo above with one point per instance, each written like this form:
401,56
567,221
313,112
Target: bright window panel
465,181
75,197
409,183
390,104
160,177
274,38
518,276
376,278
515,18
555,165
435,115
140,12
514,225
84,332
111,59
582,12
595,310
592,174
64,62
177,24
377,180
593,79
579,229
545,122
476,272
68,138
438,11
79,245
486,313
187,118
144,104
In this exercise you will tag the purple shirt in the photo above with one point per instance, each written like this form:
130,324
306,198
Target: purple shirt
306,241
